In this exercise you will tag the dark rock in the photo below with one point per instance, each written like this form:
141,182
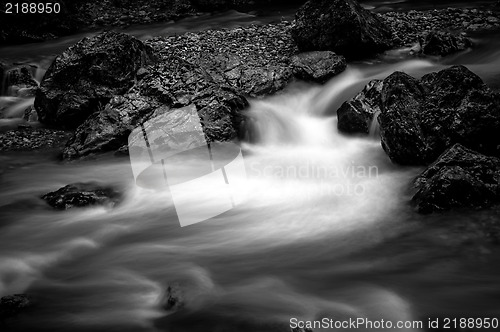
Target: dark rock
12,305
82,194
402,138
356,116
420,119
460,108
317,66
342,26
87,75
173,299
459,178
108,130
444,43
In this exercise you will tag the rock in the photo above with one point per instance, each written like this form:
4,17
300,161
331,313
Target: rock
341,26
108,130
172,85
87,75
12,305
420,119
82,194
173,299
357,115
460,177
249,75
444,43
317,66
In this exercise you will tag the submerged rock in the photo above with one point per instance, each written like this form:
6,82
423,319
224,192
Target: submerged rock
173,299
87,75
444,43
12,305
420,119
356,116
342,26
317,66
82,194
460,177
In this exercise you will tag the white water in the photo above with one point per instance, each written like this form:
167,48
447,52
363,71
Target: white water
309,242
317,236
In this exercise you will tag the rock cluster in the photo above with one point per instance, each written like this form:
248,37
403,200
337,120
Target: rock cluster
420,119
213,70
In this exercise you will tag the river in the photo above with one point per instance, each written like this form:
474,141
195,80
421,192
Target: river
303,244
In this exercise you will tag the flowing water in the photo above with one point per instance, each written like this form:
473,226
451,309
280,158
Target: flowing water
326,230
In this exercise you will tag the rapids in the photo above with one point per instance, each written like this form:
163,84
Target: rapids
326,229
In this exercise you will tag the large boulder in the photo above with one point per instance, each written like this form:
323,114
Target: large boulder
460,177
420,119
82,194
317,66
166,87
443,43
356,116
87,75
341,26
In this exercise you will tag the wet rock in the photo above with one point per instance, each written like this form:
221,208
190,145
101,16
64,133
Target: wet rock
12,305
108,130
402,139
356,116
317,66
173,299
342,26
179,83
420,119
29,139
460,177
82,194
444,43
87,75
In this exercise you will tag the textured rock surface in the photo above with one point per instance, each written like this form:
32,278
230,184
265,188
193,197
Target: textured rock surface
444,43
317,66
82,194
356,116
460,177
342,26
86,76
420,119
